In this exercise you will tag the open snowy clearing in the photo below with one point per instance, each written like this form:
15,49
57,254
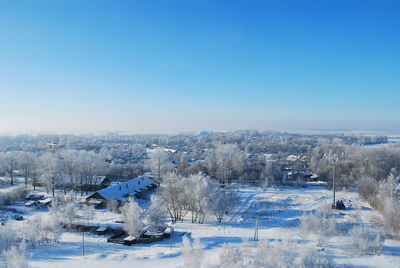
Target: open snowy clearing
278,211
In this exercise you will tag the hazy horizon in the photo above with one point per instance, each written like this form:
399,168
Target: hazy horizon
184,66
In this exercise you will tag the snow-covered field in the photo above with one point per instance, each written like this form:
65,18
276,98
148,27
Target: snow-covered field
277,211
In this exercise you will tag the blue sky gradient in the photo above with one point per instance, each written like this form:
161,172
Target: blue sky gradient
176,66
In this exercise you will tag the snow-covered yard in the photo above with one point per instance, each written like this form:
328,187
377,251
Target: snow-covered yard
277,211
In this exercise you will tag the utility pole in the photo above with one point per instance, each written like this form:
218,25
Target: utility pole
256,230
334,184
83,243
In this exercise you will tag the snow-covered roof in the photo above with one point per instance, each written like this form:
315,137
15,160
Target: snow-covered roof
121,190
95,201
129,238
45,201
101,229
30,203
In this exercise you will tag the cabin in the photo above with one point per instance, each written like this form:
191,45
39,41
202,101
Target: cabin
316,178
31,203
43,203
100,182
121,191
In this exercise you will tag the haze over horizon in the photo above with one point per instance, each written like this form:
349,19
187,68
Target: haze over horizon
180,66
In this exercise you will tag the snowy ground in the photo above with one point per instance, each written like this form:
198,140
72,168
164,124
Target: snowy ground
277,210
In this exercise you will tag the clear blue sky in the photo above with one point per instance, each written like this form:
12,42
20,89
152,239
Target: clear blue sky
173,66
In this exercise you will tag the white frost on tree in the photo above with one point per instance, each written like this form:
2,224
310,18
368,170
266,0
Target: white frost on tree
156,215
192,254
159,163
131,216
321,224
16,257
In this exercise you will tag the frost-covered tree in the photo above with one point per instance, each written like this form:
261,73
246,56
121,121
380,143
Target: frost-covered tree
69,213
112,205
156,215
159,163
365,241
70,164
9,236
225,162
223,202
230,257
13,195
9,164
172,191
89,167
322,224
137,150
311,259
87,214
16,257
131,216
279,254
192,253
27,164
368,189
200,192
383,196
50,171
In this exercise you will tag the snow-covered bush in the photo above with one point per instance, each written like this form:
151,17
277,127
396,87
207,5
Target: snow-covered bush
68,214
9,236
32,232
131,216
383,197
230,257
16,257
12,195
42,230
278,254
63,199
88,213
311,259
192,254
322,224
368,189
391,216
365,241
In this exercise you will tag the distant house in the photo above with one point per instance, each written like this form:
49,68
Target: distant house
121,191
100,182
316,177
45,202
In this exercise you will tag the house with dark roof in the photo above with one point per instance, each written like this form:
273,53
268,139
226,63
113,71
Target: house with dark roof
121,191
